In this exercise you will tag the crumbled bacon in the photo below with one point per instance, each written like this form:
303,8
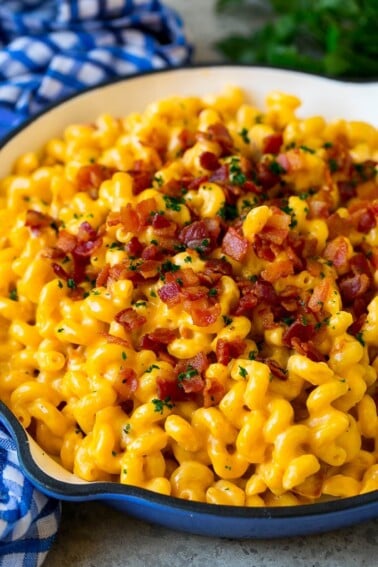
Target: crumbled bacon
141,180
272,143
278,269
36,220
338,226
113,339
158,339
227,350
126,383
300,330
170,293
307,349
352,287
218,133
235,245
169,388
90,177
130,319
320,295
202,312
213,392
196,236
134,247
336,252
209,161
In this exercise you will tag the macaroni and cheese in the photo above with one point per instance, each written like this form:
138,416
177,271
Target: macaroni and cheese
188,301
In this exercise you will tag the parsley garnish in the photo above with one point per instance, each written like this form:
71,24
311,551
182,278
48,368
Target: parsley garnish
173,203
227,320
127,428
333,165
160,404
236,175
242,372
189,373
188,259
252,354
60,285
150,368
212,292
13,295
228,212
276,168
116,245
71,283
360,338
124,355
244,135
159,180
307,149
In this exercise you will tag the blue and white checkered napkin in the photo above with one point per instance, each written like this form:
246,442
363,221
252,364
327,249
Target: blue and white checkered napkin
28,519
52,48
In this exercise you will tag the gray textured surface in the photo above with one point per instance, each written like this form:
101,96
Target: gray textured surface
93,535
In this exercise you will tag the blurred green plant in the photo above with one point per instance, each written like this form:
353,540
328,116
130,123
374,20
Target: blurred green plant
329,37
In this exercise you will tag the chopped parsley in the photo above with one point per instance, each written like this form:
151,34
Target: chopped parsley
276,168
71,283
140,304
161,404
327,145
159,180
60,330
173,203
153,293
244,135
150,368
252,354
127,428
288,320
60,285
333,165
124,355
242,372
13,294
189,373
236,175
227,320
360,338
116,245
212,292
228,212
307,149
188,259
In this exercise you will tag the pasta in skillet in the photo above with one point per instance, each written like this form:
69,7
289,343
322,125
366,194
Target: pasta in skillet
188,301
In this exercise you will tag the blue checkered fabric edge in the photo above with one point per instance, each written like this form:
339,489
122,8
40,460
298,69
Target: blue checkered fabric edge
50,49
29,520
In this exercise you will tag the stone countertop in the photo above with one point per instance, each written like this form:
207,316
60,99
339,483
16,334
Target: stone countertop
94,535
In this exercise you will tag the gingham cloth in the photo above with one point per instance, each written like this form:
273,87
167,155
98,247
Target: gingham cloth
52,48
28,519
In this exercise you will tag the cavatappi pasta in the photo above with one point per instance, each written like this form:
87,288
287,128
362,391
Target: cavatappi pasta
188,301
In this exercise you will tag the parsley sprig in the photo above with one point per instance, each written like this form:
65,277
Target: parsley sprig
329,37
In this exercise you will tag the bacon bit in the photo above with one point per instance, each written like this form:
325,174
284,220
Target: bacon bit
149,268
336,251
152,252
134,247
170,293
114,340
234,245
347,190
194,183
272,144
194,292
52,253
246,304
220,175
144,210
209,161
90,177
59,271
275,368
300,331
188,277
186,138
126,383
160,221
318,209
170,389
227,350
218,133
127,216
357,325
86,249
203,314
338,226
141,180
213,393
130,319
158,339
366,221
278,269
103,276
199,362
66,241
307,349
263,249
196,236
360,265
353,287
319,295
36,220
276,229
127,406
86,232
